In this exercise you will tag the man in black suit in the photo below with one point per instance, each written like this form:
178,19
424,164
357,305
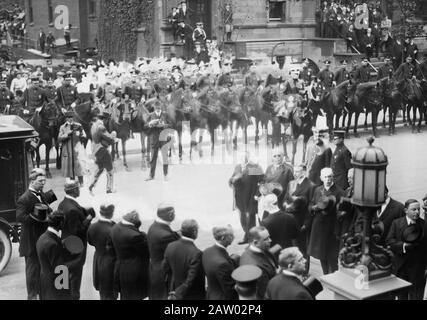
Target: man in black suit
408,241
258,254
158,123
280,172
133,257
244,181
159,236
42,40
183,267
183,13
287,284
104,259
323,243
31,230
390,211
77,222
219,266
341,160
300,192
51,256
281,226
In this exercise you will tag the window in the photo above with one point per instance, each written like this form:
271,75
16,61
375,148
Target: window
276,10
30,9
92,8
50,11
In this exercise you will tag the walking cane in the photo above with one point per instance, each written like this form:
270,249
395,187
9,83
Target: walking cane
72,154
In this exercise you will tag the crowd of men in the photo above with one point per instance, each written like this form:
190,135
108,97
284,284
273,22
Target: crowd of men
302,206
12,23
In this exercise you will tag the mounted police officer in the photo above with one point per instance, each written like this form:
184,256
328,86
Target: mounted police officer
386,69
326,76
134,89
406,70
34,98
59,81
306,71
67,96
51,91
342,73
363,73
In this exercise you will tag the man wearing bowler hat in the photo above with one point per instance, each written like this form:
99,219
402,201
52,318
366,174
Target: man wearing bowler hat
77,222
407,239
32,210
341,160
323,242
246,278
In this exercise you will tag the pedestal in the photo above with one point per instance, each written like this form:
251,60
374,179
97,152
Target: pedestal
346,285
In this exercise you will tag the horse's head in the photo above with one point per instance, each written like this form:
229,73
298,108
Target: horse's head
375,94
49,113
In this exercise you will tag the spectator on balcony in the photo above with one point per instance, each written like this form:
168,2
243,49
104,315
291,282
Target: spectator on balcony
183,12
227,18
185,33
67,35
351,38
332,16
368,42
42,40
376,32
50,41
324,19
173,20
410,49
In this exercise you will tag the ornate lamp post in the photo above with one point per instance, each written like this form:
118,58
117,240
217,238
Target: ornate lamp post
362,258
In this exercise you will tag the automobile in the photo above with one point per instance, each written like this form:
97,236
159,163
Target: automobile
16,136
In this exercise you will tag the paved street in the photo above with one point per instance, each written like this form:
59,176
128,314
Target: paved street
199,190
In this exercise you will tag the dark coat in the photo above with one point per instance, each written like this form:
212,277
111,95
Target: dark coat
340,164
155,132
51,255
410,265
362,74
320,161
282,228
323,241
245,183
31,229
283,175
385,70
133,260
104,259
341,75
218,267
159,236
286,287
265,261
183,269
393,211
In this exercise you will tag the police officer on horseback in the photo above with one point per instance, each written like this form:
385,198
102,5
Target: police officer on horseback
306,72
363,72
34,98
406,70
67,96
326,78
386,69
342,73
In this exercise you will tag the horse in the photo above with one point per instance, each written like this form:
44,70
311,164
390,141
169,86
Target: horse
139,116
366,97
47,122
413,97
83,114
392,101
393,49
300,117
332,104
313,93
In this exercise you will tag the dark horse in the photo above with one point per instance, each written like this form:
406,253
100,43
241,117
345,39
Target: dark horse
333,104
47,122
392,101
120,123
366,97
413,97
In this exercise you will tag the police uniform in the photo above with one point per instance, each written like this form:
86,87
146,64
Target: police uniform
362,74
385,70
341,163
326,77
67,95
306,74
246,278
51,92
34,97
135,91
342,74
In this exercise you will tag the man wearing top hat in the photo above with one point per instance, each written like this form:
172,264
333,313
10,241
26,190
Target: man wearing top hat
159,235
77,222
342,73
363,72
341,160
407,239
386,70
287,285
71,134
52,254
104,260
34,223
323,243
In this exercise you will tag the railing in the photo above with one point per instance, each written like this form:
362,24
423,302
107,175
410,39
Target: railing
25,42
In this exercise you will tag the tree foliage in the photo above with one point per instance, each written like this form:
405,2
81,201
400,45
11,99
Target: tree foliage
118,24
411,19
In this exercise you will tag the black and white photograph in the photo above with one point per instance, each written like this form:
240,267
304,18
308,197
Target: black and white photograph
213,150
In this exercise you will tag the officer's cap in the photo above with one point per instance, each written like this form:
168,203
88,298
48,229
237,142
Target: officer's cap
339,134
246,275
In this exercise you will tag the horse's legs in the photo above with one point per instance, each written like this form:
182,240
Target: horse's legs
38,156
257,131
344,116
404,106
365,125
408,113
347,129
374,122
143,151
47,159
294,149
180,144
391,117
337,121
304,149
384,115
356,121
